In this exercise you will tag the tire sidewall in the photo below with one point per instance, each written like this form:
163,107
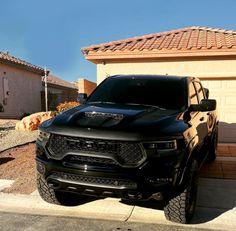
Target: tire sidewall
191,190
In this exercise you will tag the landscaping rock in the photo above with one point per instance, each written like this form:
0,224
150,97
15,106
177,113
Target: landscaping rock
31,122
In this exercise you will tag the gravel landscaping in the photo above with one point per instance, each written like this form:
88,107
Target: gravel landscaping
18,164
6,126
9,137
17,157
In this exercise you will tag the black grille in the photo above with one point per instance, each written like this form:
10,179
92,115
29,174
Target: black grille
90,159
109,182
124,153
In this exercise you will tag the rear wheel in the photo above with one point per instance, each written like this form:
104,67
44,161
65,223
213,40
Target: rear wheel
52,196
181,208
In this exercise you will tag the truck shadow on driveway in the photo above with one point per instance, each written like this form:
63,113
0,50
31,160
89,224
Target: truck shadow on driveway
215,198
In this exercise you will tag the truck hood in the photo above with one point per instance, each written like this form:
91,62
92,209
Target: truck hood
114,117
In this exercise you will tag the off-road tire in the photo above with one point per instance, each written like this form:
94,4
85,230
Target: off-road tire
180,209
50,195
213,148
46,192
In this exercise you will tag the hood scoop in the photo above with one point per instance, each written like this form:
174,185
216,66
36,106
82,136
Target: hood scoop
118,117
99,119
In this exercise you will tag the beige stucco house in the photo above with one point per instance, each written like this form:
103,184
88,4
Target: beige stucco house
207,53
86,86
20,86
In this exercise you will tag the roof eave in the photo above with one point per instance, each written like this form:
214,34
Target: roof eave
96,57
54,85
38,71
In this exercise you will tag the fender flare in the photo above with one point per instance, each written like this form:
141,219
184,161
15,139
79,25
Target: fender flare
191,153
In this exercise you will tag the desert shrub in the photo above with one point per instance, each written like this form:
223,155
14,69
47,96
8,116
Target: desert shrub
66,105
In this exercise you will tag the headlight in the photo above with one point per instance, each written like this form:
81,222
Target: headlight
43,136
169,145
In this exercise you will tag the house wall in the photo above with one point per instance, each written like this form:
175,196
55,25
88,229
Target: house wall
24,92
218,75
224,91
86,86
196,68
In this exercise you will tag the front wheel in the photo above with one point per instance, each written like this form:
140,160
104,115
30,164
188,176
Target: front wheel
52,196
181,208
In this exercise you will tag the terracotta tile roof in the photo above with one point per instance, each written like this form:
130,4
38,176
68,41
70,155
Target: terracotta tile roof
190,40
60,82
6,58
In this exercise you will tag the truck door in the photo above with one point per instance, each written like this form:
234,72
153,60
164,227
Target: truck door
199,119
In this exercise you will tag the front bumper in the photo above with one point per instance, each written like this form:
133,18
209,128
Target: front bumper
153,177
125,185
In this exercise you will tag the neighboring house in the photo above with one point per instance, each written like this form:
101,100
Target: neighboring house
86,86
20,86
59,91
203,52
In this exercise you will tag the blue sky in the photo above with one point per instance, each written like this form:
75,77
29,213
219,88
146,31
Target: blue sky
51,32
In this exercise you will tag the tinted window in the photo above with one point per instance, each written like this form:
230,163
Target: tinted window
164,93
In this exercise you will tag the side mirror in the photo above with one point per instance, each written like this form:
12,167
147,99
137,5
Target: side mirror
82,97
206,92
205,105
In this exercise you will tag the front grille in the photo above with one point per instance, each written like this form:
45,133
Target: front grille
91,180
122,153
89,159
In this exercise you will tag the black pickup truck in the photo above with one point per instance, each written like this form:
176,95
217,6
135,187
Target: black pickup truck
136,137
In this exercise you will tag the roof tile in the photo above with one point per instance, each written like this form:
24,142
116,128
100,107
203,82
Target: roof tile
5,57
161,42
192,38
60,82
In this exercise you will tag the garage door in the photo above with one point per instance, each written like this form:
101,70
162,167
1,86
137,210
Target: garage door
224,91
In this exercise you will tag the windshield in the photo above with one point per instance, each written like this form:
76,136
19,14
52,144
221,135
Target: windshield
162,92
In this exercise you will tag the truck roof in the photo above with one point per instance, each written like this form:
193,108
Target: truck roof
150,76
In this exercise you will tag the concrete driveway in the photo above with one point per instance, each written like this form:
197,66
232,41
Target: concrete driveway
216,207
